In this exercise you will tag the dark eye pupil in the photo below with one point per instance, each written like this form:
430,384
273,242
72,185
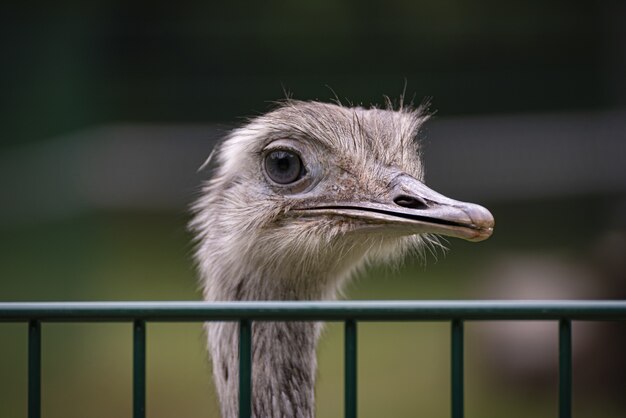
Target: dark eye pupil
283,163
283,167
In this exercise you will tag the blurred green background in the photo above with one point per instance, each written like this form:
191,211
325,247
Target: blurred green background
108,109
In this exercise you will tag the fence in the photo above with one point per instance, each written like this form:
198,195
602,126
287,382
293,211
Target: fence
456,312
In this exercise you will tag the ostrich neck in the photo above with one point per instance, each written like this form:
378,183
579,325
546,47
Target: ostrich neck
283,368
284,360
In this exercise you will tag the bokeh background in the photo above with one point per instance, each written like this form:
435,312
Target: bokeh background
108,108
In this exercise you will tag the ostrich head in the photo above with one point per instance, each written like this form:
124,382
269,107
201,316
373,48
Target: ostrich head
301,197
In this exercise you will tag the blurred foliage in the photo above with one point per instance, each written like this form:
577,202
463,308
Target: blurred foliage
74,64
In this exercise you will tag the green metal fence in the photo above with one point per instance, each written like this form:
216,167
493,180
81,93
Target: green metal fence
456,312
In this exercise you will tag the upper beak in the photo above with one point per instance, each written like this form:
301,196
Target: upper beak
415,209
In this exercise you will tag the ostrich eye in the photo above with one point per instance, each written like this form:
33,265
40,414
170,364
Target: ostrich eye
284,167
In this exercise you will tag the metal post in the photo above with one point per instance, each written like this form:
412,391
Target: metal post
565,368
350,362
34,369
139,369
245,369
457,369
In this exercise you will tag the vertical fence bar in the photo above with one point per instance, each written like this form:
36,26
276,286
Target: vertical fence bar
139,369
457,369
565,368
245,369
34,369
350,362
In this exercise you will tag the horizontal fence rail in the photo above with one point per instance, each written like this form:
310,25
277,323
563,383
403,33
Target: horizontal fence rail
311,311
350,312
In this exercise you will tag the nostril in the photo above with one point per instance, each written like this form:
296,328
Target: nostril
410,202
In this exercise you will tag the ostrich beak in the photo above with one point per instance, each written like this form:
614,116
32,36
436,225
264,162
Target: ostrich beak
414,201
414,208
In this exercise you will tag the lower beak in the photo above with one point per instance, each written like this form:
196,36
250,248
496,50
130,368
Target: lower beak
415,209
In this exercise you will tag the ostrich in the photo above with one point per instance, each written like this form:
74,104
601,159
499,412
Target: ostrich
301,197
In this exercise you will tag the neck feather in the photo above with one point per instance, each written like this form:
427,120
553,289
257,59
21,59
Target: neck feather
283,368
284,353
